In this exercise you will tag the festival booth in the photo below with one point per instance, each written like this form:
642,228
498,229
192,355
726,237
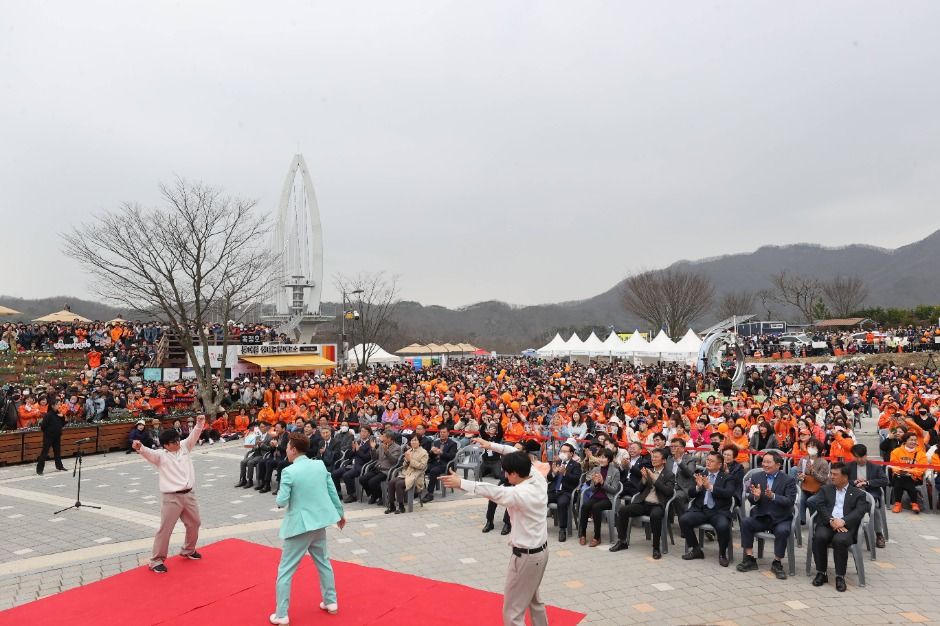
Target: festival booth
372,353
64,316
689,345
553,347
249,359
662,348
611,346
634,347
574,346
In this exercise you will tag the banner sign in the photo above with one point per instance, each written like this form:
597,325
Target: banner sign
282,348
80,345
251,340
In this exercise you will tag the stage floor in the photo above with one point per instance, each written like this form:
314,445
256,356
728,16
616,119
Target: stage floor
234,584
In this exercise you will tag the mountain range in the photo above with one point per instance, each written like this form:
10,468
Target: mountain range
902,277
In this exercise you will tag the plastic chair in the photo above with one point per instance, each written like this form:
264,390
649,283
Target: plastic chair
702,528
469,459
365,469
883,512
855,550
383,486
610,516
769,536
645,520
553,509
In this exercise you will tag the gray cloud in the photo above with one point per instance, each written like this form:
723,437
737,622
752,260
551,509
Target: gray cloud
525,151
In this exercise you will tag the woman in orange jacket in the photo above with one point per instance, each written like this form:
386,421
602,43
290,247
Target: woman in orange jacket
905,476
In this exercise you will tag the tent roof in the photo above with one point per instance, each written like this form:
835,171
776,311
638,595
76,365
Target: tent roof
662,343
689,343
613,341
557,344
4,310
594,344
635,344
375,353
287,362
415,348
62,316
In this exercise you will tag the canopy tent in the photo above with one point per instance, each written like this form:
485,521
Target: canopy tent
662,343
117,320
690,343
635,344
415,348
468,347
62,316
613,344
370,353
593,345
288,362
8,311
553,347
574,345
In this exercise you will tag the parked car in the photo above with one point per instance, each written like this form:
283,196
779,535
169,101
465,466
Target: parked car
795,342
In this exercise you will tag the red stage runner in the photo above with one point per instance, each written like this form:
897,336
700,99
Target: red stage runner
234,584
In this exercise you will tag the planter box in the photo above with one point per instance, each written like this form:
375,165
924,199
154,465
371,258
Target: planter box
11,448
32,442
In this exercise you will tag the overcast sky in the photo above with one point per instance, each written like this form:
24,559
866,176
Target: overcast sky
522,151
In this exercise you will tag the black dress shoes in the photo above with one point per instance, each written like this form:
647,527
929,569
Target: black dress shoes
618,546
840,583
506,529
562,535
487,527
694,553
820,580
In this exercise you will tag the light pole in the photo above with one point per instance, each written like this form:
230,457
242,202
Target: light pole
343,345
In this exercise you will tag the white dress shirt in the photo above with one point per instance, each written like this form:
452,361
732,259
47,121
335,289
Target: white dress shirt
526,503
175,468
837,508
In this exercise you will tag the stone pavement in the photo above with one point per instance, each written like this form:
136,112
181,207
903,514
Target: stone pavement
45,554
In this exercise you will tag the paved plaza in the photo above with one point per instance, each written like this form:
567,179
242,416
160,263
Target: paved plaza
47,553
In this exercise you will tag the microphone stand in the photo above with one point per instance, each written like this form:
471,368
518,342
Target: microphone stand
78,496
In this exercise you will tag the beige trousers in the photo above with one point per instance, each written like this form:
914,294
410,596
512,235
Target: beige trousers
522,589
176,506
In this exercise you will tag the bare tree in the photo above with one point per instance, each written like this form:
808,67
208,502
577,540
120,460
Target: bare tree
736,303
670,298
799,291
372,320
199,255
766,296
845,294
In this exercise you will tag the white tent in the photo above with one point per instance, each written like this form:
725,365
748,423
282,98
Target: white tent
662,343
613,344
370,352
690,343
553,347
594,346
574,345
635,344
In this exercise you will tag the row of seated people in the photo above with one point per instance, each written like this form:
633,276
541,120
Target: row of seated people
658,483
367,458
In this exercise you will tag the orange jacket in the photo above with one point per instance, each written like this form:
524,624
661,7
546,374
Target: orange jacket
902,456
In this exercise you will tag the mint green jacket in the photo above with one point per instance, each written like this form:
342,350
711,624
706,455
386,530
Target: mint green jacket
308,492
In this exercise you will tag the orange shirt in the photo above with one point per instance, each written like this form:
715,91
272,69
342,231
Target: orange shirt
902,456
241,423
29,416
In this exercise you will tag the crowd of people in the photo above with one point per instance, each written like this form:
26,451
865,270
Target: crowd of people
663,442
818,342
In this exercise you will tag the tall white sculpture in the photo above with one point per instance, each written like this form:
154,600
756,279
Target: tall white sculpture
298,242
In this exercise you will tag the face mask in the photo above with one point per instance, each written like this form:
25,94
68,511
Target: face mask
812,451
563,456
344,429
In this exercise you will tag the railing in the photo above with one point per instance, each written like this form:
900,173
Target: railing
160,354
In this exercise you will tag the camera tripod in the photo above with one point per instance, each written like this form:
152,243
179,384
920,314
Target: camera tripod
78,470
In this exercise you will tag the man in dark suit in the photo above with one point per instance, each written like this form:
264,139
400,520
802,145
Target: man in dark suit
710,502
279,440
563,479
632,474
771,494
331,449
253,457
683,467
659,485
839,512
872,478
442,453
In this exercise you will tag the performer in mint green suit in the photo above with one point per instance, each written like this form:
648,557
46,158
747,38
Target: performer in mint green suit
308,492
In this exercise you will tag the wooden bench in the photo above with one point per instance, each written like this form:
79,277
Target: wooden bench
11,448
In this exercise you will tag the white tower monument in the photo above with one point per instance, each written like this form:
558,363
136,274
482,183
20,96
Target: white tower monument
298,242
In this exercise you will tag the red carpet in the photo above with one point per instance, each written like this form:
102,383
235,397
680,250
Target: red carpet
234,584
